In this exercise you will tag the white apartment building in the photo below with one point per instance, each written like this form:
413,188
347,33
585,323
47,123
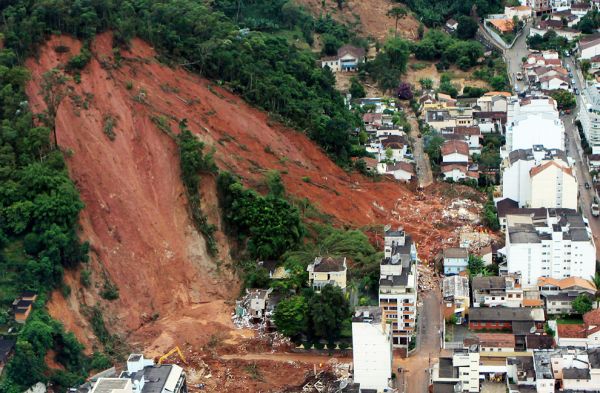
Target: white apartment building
371,349
461,370
539,177
589,116
558,245
533,121
398,286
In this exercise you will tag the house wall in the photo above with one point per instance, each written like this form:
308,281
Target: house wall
545,385
320,279
454,174
486,325
525,258
590,52
455,265
468,370
334,65
496,349
554,188
516,183
372,354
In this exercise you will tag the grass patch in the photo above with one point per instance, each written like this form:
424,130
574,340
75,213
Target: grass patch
570,320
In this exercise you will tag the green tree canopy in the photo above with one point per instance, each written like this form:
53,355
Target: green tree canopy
582,304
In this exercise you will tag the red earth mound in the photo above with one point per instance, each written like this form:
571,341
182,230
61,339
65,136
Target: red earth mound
135,215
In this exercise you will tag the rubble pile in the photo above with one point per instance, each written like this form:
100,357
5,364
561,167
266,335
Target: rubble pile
464,210
428,280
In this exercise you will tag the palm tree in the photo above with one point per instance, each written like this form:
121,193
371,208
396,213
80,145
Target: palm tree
596,280
398,13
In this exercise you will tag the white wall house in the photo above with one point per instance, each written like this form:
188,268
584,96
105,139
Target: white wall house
525,169
553,185
371,349
533,121
589,115
558,246
589,47
554,82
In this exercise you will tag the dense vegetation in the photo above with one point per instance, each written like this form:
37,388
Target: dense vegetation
435,13
549,41
209,42
38,233
192,161
267,225
439,46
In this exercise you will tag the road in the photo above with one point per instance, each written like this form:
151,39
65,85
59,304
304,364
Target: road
574,150
514,56
424,174
414,374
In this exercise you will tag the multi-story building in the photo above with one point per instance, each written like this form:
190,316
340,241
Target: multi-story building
371,349
456,260
141,376
461,371
455,291
398,285
559,245
538,7
539,177
327,270
533,121
589,116
559,294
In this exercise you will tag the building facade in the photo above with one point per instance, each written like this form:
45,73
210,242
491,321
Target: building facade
398,286
371,348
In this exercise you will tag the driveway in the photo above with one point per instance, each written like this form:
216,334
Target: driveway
414,377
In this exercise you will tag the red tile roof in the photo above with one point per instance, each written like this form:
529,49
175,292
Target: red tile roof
496,340
571,331
540,168
592,317
453,146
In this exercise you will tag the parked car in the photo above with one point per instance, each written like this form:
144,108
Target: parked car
567,54
573,81
519,75
587,186
575,91
570,75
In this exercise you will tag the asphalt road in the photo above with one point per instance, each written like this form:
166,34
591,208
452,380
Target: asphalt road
514,56
574,150
414,374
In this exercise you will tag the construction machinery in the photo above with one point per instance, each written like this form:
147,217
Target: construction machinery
171,352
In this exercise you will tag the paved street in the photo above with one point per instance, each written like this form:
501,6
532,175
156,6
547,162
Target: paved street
414,377
575,151
514,55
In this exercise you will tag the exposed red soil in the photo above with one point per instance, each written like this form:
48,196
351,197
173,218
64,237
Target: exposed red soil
372,17
171,291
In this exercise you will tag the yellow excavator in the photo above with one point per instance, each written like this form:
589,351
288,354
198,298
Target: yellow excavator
171,352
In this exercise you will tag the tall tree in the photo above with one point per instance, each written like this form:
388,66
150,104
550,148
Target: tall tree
397,13
582,304
54,89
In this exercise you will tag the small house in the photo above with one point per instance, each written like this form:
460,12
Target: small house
23,305
451,24
348,58
454,151
327,270
456,260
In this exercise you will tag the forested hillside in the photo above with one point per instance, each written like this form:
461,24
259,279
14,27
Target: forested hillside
40,205
144,187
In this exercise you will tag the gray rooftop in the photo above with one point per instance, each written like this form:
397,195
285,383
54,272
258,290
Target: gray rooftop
506,314
107,385
367,314
576,373
488,283
447,369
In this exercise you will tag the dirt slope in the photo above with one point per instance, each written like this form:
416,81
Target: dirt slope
369,16
135,215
